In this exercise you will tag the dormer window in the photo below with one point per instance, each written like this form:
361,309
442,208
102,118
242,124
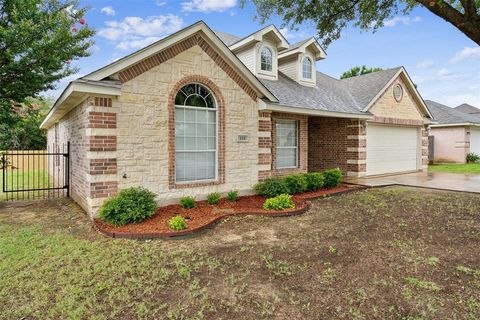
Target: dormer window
307,68
266,59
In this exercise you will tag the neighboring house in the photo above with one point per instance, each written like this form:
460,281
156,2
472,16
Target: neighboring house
200,111
455,135
466,108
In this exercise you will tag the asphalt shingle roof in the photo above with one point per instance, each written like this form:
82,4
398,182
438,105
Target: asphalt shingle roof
227,38
365,87
466,108
447,115
328,94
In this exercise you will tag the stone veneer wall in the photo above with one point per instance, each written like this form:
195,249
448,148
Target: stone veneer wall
337,143
143,134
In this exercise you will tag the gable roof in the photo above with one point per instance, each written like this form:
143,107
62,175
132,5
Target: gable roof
257,36
446,115
467,108
227,38
367,88
301,46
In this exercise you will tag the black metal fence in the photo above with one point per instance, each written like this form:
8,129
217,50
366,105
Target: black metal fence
35,174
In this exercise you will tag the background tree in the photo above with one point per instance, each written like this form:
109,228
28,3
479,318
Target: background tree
357,71
332,16
38,41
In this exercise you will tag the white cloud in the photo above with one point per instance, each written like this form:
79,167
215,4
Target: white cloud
444,72
208,5
109,11
136,32
161,3
403,20
466,54
424,64
287,33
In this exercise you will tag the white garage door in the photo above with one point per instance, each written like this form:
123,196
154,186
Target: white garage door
392,149
475,140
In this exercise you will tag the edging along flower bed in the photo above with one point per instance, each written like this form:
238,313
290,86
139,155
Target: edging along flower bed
205,215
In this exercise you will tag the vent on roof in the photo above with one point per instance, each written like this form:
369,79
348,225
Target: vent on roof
398,92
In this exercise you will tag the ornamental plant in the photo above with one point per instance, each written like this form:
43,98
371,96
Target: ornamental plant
280,202
315,180
296,183
472,157
232,196
271,187
131,205
333,177
213,198
188,202
177,223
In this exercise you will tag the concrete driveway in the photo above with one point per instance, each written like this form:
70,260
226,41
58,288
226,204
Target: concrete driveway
434,180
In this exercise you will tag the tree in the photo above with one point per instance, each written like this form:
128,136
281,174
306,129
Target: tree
332,16
358,71
38,41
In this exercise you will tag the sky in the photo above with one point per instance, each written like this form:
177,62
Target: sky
441,60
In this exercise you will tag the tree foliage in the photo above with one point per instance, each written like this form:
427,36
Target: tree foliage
38,41
330,17
358,71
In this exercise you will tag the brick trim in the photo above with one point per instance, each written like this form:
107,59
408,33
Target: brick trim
102,143
103,189
104,120
405,122
102,102
170,52
220,135
103,166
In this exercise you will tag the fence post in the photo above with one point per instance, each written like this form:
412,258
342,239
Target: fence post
67,169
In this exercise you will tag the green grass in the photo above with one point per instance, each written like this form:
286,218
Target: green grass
21,179
467,168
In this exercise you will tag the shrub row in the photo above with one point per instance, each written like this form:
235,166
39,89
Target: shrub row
299,183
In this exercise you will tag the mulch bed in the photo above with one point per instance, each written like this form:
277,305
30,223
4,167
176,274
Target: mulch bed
206,215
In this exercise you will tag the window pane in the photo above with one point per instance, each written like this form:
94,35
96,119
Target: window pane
202,116
202,143
190,115
201,130
266,59
307,68
190,143
179,114
286,143
286,157
190,129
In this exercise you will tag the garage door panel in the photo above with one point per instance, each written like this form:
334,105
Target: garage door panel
391,149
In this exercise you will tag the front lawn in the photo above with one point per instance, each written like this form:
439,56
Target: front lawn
466,168
389,253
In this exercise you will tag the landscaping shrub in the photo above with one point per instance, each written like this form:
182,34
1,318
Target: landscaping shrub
232,196
315,180
213,198
177,223
280,202
296,183
130,205
188,202
472,157
332,177
271,187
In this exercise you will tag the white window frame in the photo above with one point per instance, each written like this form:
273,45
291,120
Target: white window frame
310,69
296,147
271,61
215,179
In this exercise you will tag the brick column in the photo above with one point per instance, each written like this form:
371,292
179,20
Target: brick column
101,141
265,127
424,131
356,148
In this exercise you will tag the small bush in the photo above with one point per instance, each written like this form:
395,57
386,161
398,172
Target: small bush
280,202
332,177
188,202
177,223
232,196
130,205
296,183
472,157
271,187
214,198
315,181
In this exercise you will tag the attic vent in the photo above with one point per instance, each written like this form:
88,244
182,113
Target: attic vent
398,92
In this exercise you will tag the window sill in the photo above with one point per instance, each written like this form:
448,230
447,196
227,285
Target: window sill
194,184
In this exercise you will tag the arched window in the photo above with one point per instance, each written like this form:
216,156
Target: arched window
266,59
195,134
307,68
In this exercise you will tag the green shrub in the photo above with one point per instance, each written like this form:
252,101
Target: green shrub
315,180
332,177
280,202
271,187
296,183
177,223
472,157
130,205
232,196
188,202
214,198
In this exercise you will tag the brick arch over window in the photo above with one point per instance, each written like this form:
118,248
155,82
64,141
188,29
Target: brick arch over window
220,134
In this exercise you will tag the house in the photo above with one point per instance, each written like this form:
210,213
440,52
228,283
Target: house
455,135
200,111
467,108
